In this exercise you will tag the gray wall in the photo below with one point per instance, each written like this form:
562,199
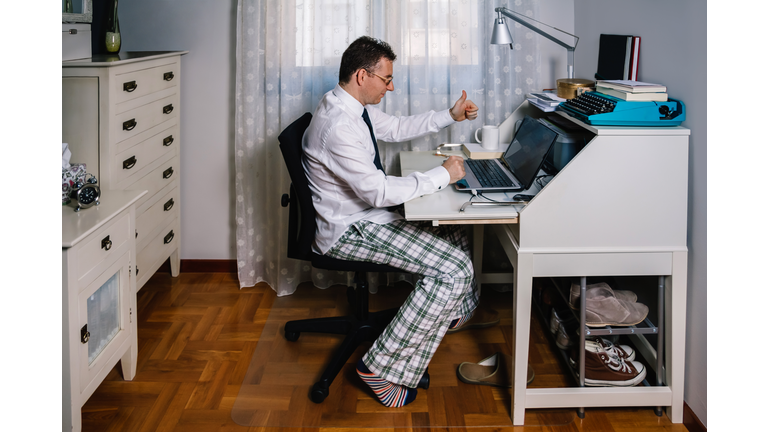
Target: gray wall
675,57
673,52
205,28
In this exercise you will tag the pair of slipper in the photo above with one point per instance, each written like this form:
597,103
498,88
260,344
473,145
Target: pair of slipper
495,371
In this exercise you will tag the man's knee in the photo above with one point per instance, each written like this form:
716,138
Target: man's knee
464,268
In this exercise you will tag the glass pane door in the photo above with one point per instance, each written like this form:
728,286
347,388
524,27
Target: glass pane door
103,316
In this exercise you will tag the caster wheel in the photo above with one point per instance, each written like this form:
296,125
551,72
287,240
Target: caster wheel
319,393
292,336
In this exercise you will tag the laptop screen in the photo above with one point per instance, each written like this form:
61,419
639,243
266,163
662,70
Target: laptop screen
528,149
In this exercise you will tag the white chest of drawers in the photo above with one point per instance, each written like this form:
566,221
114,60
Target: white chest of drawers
121,117
98,252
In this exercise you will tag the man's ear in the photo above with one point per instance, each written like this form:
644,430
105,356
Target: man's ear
360,75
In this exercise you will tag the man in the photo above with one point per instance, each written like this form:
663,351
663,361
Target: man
353,199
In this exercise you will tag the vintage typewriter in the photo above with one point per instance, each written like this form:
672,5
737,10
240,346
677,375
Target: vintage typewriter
602,110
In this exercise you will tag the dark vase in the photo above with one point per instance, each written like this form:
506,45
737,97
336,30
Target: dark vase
113,29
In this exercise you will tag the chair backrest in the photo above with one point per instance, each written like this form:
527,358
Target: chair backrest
301,219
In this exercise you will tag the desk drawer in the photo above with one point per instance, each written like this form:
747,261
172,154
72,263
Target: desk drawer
139,158
142,118
135,84
602,264
155,214
102,247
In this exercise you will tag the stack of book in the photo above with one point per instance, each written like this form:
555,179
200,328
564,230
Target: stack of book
546,102
633,90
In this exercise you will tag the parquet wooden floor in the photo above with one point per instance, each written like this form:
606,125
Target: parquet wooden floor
199,332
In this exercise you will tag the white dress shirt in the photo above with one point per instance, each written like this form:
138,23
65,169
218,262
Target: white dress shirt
338,160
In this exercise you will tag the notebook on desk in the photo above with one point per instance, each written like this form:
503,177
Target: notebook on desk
516,169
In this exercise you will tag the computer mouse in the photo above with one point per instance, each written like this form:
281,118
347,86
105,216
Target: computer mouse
462,184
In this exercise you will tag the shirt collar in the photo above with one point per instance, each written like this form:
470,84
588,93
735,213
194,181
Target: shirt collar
349,101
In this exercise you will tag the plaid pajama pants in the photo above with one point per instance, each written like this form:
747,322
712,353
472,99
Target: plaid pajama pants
446,291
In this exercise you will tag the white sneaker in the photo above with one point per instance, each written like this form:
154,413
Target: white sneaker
623,351
604,369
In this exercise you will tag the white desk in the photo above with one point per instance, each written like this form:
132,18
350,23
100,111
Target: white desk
442,208
619,208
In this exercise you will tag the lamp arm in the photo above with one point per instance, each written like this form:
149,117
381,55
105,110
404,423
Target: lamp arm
509,14
570,48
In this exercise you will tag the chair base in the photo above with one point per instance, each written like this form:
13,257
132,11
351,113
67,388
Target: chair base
360,327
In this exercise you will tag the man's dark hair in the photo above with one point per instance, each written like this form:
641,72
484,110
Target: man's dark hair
364,53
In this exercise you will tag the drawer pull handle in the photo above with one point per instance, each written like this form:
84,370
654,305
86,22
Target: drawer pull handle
168,140
129,86
168,173
106,243
137,234
129,125
168,109
168,205
168,238
168,76
129,163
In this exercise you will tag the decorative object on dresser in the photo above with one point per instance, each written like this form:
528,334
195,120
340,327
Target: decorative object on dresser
98,254
77,186
121,117
85,193
76,18
113,41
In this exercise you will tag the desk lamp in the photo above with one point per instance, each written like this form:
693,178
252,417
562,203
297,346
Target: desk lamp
502,36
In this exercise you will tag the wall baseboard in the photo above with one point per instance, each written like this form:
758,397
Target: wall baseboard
202,266
691,421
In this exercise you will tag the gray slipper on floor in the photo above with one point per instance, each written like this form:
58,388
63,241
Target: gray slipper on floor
495,370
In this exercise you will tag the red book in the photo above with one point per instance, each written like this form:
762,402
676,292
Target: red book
634,59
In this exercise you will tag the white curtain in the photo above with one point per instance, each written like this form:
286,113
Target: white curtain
288,55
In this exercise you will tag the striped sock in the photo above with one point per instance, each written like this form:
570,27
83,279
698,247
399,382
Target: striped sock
458,322
390,394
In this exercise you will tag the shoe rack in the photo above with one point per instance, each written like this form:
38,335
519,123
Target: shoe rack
653,357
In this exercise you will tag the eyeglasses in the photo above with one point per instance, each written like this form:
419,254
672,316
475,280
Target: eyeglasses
386,80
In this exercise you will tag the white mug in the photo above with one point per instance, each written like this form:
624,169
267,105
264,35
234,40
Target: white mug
490,139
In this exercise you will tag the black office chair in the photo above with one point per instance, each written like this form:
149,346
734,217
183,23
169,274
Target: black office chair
361,325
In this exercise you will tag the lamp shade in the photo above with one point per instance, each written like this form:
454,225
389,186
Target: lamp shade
501,35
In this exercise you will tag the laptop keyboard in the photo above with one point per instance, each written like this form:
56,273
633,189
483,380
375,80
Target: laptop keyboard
489,173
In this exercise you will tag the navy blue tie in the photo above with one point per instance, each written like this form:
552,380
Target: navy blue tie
376,158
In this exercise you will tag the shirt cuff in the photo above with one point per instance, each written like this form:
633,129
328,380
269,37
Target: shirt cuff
439,176
444,118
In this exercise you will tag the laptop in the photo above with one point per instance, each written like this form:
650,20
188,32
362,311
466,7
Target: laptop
518,166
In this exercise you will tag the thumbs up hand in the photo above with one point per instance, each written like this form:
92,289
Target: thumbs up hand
463,109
